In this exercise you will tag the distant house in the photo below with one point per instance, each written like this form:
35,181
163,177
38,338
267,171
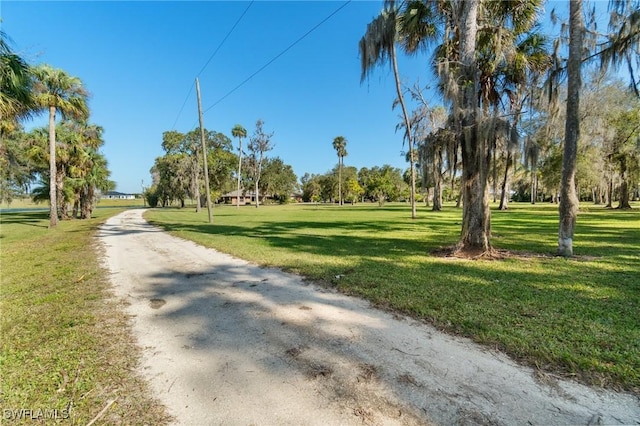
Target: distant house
235,197
249,197
115,195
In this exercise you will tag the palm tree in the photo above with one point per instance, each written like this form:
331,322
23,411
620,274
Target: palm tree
568,207
57,91
239,132
86,166
97,177
467,62
521,74
340,145
16,96
378,46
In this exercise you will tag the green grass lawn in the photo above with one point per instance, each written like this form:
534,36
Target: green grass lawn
65,344
576,317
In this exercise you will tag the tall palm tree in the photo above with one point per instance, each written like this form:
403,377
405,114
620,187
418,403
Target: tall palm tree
340,145
239,132
568,207
478,36
57,91
16,96
378,46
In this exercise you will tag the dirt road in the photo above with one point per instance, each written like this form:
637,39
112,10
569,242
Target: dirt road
228,342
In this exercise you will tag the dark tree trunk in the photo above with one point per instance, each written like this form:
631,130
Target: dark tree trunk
568,208
437,181
623,202
623,199
86,203
63,211
256,194
609,194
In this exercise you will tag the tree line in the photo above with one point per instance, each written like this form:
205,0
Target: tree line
503,85
177,175
65,156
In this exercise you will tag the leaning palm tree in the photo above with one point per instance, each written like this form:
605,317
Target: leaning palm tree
57,91
239,132
412,27
340,145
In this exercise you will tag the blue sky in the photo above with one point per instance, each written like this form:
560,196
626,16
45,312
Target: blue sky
139,61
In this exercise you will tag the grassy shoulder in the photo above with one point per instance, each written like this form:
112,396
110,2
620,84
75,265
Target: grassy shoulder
575,317
28,204
66,345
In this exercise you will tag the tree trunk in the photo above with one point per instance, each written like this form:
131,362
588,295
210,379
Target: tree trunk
568,208
437,182
534,186
256,194
504,199
339,180
196,179
53,200
239,170
476,216
623,199
62,203
86,203
76,207
609,193
437,197
495,172
407,124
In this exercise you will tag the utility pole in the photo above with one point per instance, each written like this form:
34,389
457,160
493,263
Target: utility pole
204,153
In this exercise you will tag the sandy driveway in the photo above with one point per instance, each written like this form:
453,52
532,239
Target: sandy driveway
227,342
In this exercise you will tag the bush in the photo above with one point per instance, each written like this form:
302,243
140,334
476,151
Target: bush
151,195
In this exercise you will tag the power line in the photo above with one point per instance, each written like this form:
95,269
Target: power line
209,60
225,38
182,107
278,55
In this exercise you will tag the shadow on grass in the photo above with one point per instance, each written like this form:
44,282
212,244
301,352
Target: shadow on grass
32,218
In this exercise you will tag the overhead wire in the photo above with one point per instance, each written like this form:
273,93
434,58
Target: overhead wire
278,55
209,60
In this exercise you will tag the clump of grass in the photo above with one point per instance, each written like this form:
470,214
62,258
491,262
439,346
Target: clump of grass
66,343
576,317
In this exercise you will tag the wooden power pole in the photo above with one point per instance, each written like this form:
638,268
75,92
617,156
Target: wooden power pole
204,153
